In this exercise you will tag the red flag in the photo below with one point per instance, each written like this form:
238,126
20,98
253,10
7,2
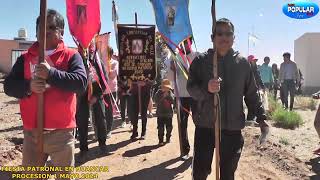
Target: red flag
84,19
102,42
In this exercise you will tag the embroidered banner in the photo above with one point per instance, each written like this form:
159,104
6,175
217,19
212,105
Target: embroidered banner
136,53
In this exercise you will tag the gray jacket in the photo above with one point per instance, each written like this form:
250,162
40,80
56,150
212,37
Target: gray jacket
289,71
237,83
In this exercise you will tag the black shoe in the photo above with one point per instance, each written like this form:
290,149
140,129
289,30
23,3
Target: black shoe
83,152
185,157
143,137
161,143
103,148
84,149
82,158
134,137
168,140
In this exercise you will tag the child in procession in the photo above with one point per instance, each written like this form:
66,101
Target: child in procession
164,100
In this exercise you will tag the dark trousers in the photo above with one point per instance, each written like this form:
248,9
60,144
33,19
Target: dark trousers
164,123
288,86
250,115
275,93
82,120
230,152
109,110
187,104
123,106
133,110
281,96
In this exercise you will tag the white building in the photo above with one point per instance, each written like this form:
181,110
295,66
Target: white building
307,57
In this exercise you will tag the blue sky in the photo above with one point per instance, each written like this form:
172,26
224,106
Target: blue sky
276,31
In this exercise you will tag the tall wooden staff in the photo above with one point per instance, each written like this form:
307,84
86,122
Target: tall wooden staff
42,47
216,102
139,85
178,105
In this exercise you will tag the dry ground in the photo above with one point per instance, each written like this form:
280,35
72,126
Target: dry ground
286,155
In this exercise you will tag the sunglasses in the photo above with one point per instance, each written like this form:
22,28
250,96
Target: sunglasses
227,34
52,27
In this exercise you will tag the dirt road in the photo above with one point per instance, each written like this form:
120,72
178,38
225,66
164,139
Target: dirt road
286,155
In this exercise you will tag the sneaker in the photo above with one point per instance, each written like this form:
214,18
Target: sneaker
143,135
185,157
264,134
123,124
161,143
109,135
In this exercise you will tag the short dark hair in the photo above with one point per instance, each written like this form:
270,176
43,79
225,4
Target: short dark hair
56,16
265,58
286,54
225,21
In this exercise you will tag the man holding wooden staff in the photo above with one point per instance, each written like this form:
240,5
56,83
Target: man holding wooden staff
134,109
59,77
235,81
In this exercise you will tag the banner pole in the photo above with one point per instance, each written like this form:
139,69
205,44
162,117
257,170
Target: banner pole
216,102
40,110
136,19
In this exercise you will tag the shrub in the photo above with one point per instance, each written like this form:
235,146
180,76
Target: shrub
284,141
305,103
273,104
286,119
312,104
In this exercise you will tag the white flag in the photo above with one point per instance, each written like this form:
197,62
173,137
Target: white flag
253,38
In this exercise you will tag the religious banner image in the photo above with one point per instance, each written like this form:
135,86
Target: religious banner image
137,53
172,18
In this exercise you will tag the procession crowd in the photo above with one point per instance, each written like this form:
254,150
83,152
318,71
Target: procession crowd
77,83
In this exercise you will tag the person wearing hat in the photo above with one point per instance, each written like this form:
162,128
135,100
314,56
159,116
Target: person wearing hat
253,62
164,100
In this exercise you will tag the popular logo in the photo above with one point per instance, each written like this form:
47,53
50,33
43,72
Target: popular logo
300,9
